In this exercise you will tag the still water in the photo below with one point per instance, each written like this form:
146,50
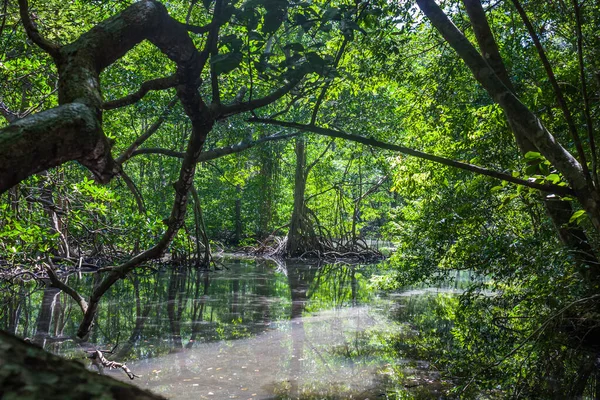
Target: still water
254,330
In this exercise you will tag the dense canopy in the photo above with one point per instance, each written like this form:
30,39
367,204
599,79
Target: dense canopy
461,132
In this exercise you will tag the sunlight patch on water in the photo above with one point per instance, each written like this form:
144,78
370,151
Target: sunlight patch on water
317,354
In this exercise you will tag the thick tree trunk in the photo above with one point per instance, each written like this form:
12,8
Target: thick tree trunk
42,330
266,188
237,219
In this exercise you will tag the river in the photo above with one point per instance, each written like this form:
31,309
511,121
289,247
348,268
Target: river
255,329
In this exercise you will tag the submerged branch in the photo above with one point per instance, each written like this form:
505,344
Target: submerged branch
101,362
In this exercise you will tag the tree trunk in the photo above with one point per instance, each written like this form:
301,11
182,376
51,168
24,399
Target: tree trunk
238,215
299,238
44,320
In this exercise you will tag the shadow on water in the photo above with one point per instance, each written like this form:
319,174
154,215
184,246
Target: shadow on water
254,330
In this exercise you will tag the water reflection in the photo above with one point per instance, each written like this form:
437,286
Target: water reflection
254,330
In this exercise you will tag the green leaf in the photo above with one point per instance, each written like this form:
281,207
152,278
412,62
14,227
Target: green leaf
273,18
248,16
577,216
233,42
225,63
531,169
533,155
554,178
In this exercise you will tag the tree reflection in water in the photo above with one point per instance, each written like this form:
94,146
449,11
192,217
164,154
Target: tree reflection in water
255,329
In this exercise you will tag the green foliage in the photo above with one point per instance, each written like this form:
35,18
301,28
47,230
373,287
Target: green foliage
394,81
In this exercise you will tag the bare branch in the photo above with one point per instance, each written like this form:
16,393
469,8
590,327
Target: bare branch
321,97
213,49
232,109
154,84
151,131
33,33
549,188
310,166
100,361
189,13
158,150
135,191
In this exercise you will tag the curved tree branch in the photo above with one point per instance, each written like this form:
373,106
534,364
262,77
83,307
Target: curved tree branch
154,84
137,195
65,133
57,283
237,108
33,33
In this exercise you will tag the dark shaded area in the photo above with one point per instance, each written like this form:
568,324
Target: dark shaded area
29,372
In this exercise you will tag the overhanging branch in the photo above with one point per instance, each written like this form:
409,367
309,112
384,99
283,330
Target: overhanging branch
215,153
548,188
65,133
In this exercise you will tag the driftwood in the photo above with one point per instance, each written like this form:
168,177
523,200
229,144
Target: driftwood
101,362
